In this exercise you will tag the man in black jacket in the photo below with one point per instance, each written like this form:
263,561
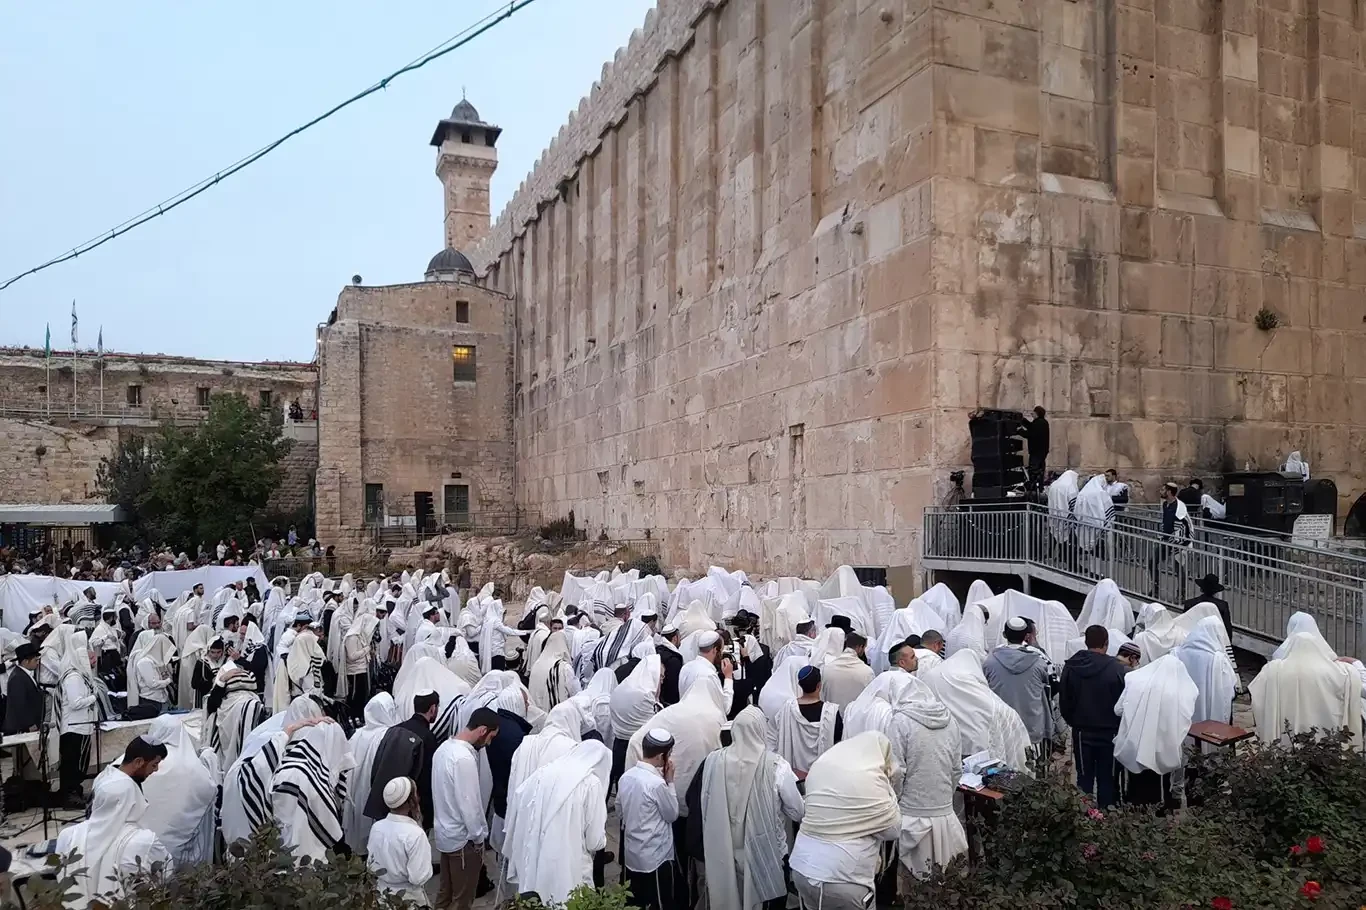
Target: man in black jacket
1036,434
1092,682
406,751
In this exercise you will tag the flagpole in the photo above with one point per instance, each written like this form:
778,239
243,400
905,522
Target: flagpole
73,380
100,410
47,361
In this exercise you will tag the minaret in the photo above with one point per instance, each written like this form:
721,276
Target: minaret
465,161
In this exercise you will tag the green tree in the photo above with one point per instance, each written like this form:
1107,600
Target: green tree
187,485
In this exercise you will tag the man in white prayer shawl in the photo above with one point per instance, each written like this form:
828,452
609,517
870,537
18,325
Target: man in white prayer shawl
112,844
695,723
802,644
1095,515
788,619
746,792
1107,606
709,662
552,678
1062,499
246,785
380,715
916,618
1299,622
925,744
1214,675
1154,719
845,674
398,851
1307,689
149,673
595,706
493,633
562,731
181,794
557,821
234,710
942,601
804,727
358,655
308,790
970,633
300,672
984,721
851,810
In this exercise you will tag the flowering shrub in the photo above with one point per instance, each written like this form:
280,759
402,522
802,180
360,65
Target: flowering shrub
1277,829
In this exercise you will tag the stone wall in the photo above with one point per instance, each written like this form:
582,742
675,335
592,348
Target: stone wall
167,386
49,463
393,413
783,249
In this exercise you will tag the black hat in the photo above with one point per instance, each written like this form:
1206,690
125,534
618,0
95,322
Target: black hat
25,651
1209,584
840,622
743,618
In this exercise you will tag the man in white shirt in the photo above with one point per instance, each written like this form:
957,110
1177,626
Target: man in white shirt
460,829
648,807
709,661
398,851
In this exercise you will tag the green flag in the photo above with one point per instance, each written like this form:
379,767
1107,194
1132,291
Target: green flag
47,342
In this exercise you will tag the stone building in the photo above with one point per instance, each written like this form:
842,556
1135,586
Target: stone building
416,407
783,249
50,450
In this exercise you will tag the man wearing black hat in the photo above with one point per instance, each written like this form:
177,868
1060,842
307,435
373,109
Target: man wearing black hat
756,662
1210,587
24,705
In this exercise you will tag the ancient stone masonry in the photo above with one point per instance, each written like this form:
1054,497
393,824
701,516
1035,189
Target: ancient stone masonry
784,247
48,454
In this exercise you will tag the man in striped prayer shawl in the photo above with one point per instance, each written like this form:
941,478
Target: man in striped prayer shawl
84,614
615,648
309,790
233,710
246,786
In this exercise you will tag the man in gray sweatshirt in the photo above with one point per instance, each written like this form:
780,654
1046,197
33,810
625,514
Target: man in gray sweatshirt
1020,675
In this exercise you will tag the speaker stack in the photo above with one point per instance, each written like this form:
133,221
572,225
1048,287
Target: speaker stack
997,452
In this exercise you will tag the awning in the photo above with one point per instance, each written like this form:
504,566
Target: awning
94,513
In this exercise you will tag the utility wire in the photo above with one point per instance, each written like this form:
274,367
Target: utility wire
459,40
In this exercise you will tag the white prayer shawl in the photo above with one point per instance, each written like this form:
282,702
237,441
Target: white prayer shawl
791,612
357,648
854,607
556,820
801,646
1308,689
180,624
849,790
694,670
985,722
636,699
695,619
492,634
484,694
431,673
1062,497
1053,625
1299,622
195,646
1095,512
1188,619
872,710
563,731
1106,606
884,605
828,644
180,793
781,687
380,715
106,638
916,618
536,641
970,634
112,833
151,646
797,740
1117,638
1155,713
744,841
978,591
1204,657
844,677
308,790
695,723
844,583
300,672
595,703
942,601
552,678
1160,635
342,619
615,647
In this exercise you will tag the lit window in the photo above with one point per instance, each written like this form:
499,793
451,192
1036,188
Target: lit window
462,355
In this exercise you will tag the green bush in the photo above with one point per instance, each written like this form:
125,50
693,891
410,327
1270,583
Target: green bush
559,529
1277,828
613,897
647,565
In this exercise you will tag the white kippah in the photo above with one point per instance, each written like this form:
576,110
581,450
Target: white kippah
1016,624
668,630
421,692
397,791
659,736
707,640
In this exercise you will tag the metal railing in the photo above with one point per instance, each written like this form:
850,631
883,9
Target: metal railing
1265,580
491,523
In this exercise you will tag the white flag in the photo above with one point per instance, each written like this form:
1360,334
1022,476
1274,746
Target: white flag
73,322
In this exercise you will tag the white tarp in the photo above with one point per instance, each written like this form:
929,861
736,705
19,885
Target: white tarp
22,594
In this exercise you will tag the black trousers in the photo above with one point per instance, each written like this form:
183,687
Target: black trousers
619,747
359,688
498,662
145,710
657,890
73,749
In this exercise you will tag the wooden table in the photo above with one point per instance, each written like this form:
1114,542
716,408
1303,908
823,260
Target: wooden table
980,805
1217,734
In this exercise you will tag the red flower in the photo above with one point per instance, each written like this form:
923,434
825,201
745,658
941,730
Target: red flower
1221,903
1296,850
1311,890
1314,844
1095,814
1090,851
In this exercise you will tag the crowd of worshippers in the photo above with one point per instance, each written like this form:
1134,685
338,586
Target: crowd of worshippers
745,741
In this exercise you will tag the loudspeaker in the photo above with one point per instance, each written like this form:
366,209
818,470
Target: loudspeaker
997,452
1268,499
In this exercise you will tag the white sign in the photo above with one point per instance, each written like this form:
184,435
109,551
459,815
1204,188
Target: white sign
1314,527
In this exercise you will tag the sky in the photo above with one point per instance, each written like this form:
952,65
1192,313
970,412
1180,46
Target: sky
110,108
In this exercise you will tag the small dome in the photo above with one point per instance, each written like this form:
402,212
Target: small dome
450,260
464,112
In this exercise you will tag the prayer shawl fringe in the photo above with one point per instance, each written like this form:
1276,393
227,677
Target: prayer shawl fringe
759,859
